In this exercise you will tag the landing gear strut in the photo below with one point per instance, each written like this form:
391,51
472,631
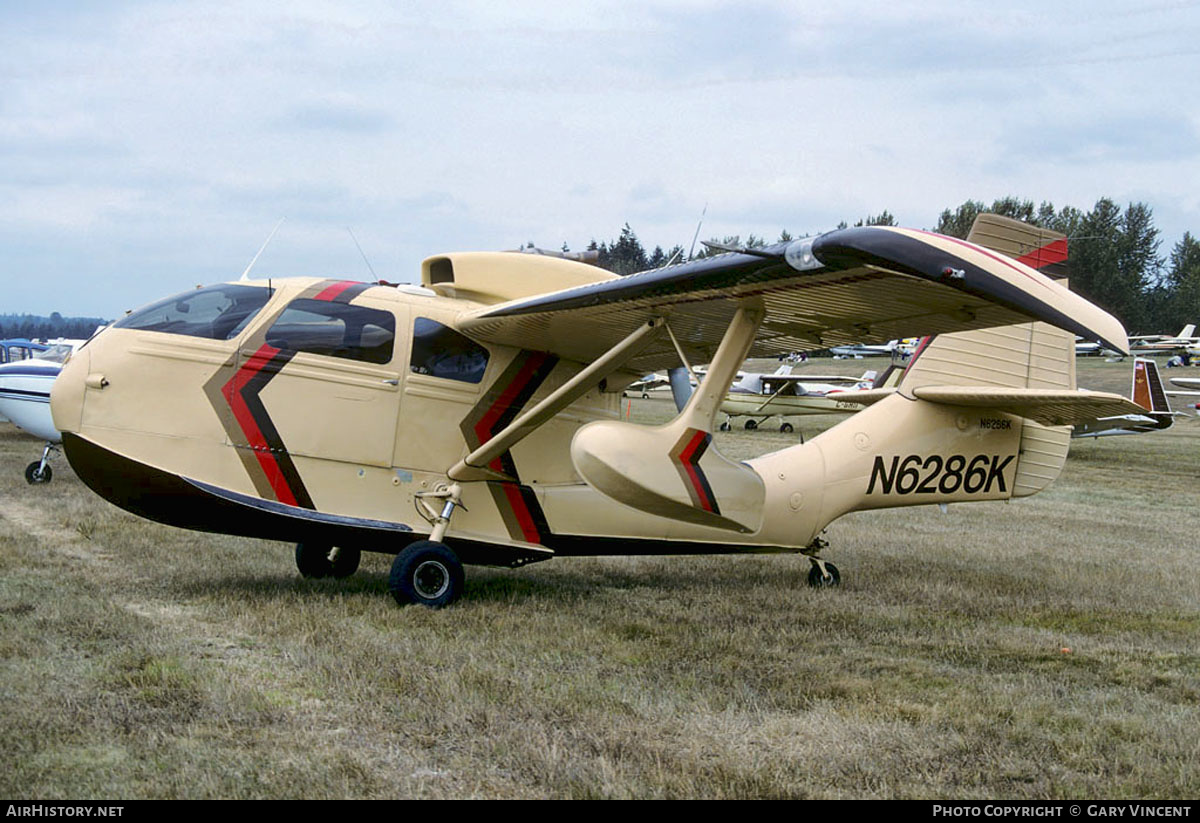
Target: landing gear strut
428,572
822,575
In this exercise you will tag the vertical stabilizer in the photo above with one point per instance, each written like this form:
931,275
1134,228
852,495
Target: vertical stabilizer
1148,389
1038,248
1022,356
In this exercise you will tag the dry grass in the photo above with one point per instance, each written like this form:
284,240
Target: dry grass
138,660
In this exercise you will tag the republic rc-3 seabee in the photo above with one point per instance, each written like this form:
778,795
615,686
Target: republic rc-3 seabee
477,418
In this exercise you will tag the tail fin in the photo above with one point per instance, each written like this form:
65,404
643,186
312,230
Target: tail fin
1038,248
1148,392
1148,389
1188,331
1023,356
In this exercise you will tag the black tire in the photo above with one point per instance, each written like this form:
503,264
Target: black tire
318,560
786,428
832,579
427,573
725,426
751,425
34,477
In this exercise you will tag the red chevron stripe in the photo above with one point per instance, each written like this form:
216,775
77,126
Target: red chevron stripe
483,429
691,464
332,292
512,492
232,392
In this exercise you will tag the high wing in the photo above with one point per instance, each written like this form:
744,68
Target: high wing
863,284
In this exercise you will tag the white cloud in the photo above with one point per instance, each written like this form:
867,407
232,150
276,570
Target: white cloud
150,144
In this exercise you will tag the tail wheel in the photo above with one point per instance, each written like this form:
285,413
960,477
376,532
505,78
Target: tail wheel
317,560
36,473
427,573
829,579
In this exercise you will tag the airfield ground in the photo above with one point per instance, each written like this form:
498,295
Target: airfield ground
1045,648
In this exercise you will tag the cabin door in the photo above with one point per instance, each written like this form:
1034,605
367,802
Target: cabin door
326,382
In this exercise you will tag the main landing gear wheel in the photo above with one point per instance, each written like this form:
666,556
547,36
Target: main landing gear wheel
36,473
751,425
317,560
427,573
829,579
786,428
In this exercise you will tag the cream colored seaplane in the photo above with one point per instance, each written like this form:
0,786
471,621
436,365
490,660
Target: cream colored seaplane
477,418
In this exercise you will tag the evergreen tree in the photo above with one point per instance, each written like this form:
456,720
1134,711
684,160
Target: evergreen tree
1182,286
958,223
883,219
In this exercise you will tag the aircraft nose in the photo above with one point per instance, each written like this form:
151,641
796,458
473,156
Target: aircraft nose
66,395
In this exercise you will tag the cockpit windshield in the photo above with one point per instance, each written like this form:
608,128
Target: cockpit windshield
57,353
214,312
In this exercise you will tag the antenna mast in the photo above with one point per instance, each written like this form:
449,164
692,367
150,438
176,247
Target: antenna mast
246,273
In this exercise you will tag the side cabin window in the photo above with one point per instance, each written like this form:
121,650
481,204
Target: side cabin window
215,312
335,330
440,351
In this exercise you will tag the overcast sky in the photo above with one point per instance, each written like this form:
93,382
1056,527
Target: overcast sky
148,147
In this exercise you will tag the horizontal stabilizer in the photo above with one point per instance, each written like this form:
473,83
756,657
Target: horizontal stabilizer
1050,407
866,397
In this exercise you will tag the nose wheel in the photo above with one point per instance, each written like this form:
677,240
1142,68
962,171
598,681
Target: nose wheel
39,472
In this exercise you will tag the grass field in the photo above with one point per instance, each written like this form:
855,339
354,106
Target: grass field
138,660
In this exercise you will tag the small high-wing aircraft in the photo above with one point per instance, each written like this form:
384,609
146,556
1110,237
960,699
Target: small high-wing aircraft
476,418
861,350
1150,344
758,397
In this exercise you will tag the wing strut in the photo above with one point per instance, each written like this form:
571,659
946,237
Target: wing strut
474,465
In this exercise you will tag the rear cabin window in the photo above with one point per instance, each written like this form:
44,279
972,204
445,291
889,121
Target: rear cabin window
214,312
335,330
440,351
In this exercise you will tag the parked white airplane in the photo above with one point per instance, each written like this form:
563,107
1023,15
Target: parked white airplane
1192,386
760,396
859,351
25,400
1151,344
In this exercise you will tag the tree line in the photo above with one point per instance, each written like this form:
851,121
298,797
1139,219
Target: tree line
1114,256
36,327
